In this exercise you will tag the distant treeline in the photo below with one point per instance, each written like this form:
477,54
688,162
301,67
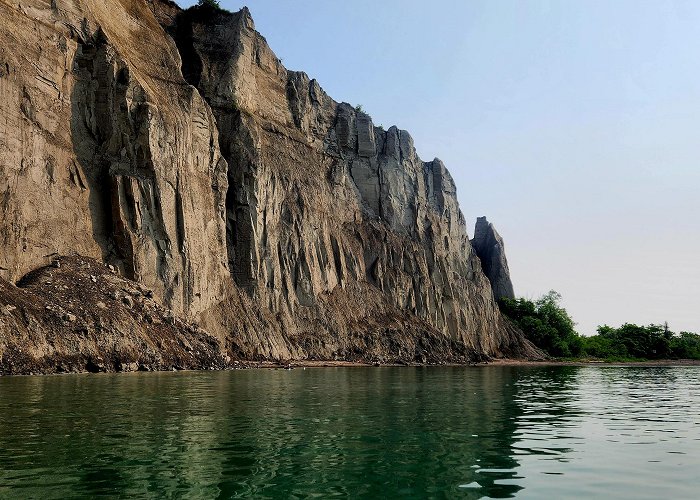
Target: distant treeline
549,326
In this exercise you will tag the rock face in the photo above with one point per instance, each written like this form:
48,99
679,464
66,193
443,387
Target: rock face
104,154
174,146
488,245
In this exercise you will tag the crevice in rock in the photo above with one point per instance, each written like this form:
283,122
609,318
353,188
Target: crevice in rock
110,130
235,145
191,62
89,130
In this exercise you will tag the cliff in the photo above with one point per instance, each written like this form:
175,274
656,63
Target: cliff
174,146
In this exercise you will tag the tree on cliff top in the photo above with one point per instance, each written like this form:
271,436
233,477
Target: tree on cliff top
205,10
214,4
210,6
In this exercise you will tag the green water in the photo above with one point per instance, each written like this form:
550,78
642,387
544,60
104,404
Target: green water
538,432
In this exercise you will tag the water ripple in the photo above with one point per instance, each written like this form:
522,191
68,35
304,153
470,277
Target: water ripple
538,432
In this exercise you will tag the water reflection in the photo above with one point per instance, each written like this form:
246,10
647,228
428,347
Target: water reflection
547,413
617,432
424,432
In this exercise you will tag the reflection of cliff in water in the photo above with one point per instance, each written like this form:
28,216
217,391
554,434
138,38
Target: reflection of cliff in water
349,432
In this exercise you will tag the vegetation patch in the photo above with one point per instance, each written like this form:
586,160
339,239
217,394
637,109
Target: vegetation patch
550,327
209,4
205,10
545,323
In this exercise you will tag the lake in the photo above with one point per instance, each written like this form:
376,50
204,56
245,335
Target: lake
459,432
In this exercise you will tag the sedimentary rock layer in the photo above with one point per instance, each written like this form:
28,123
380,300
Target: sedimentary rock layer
174,146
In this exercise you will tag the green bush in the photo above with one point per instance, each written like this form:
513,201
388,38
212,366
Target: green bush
630,342
649,342
685,345
601,347
545,323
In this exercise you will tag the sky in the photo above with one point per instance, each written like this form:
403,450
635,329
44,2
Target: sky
572,125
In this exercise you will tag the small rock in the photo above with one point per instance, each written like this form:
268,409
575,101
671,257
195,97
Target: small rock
8,309
69,317
129,367
101,305
56,263
128,301
111,269
93,278
169,318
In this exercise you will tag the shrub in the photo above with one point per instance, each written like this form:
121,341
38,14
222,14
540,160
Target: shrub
645,342
545,323
685,345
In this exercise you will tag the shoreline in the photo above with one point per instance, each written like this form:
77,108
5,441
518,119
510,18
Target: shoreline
275,365
496,362
303,364
654,362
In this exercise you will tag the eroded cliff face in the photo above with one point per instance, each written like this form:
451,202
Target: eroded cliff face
105,152
174,146
320,197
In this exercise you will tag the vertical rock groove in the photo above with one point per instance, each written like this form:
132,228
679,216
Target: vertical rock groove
309,178
176,147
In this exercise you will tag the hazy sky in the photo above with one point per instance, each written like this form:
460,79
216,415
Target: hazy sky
572,125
